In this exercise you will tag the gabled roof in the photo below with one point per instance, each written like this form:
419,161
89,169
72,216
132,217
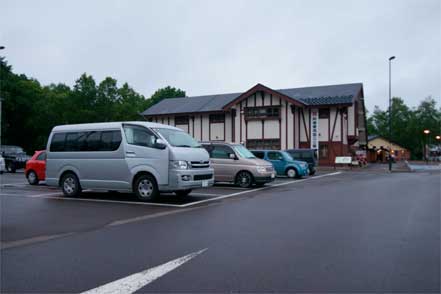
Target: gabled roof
373,137
306,96
325,95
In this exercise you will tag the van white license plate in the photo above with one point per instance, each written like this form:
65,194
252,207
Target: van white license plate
204,183
273,176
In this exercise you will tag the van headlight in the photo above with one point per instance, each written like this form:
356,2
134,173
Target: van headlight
179,164
261,169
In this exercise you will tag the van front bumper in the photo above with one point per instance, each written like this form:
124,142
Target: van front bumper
189,179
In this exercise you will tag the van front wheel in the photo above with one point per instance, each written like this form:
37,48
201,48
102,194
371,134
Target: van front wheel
146,188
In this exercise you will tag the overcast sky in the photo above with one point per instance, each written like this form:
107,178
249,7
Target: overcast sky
213,47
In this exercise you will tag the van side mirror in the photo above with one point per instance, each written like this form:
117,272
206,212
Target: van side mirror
159,144
233,156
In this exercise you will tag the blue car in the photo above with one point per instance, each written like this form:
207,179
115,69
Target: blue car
283,163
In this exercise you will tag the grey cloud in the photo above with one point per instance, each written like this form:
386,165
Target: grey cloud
208,47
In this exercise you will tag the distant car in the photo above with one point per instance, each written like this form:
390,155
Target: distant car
15,157
283,163
307,155
35,170
236,164
2,165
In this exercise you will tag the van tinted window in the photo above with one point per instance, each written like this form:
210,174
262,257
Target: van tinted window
259,154
86,141
71,142
93,141
57,143
110,140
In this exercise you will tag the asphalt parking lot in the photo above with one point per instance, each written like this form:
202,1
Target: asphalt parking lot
338,232
27,210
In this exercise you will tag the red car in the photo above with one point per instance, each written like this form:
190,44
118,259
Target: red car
35,170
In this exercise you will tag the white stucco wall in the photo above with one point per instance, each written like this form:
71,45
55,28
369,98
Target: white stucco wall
271,129
217,131
351,120
197,127
323,129
228,137
303,137
183,127
337,130
283,125
205,127
290,127
254,129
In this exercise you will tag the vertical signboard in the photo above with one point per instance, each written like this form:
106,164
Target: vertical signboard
314,129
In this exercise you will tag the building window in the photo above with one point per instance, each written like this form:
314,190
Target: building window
262,144
181,120
323,150
217,118
264,112
324,113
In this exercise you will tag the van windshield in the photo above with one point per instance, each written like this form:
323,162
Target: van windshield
243,152
178,138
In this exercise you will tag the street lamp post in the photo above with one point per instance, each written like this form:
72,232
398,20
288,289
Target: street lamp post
426,132
390,112
1,100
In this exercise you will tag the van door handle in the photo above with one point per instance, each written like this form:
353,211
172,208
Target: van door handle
130,153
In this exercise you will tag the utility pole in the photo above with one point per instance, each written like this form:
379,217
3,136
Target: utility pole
390,112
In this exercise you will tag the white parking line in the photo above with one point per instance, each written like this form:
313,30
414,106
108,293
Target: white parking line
134,282
258,189
204,194
215,198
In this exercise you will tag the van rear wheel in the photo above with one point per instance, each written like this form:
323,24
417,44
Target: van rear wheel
146,188
183,193
70,185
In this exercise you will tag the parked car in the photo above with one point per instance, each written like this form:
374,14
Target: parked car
236,164
307,155
15,157
2,165
35,170
283,163
141,157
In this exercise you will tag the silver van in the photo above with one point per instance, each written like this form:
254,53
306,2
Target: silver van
141,157
236,164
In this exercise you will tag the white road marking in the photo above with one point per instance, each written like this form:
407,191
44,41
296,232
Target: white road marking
258,189
136,281
204,194
220,197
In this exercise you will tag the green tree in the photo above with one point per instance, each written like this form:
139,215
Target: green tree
31,110
407,124
163,93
